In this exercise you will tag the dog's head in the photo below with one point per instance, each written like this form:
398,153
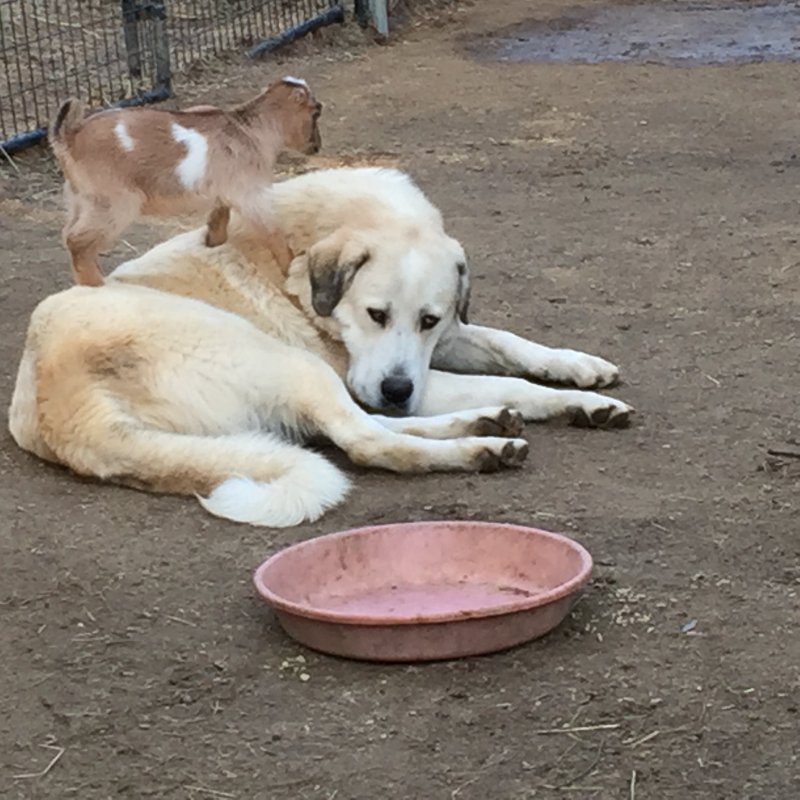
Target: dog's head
392,295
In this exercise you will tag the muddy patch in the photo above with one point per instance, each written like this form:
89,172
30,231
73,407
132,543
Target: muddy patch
682,34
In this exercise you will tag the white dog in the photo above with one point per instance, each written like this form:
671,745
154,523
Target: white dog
193,370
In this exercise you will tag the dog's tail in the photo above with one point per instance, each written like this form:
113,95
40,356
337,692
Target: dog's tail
254,478
67,122
249,477
299,485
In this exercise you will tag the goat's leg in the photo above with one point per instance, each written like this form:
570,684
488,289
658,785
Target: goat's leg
279,247
81,241
84,242
94,224
217,227
256,209
72,204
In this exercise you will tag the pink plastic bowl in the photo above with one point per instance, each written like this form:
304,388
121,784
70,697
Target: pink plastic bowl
424,590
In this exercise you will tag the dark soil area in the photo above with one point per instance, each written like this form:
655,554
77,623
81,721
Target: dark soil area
641,212
683,34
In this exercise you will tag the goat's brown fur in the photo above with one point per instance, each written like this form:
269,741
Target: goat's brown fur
120,164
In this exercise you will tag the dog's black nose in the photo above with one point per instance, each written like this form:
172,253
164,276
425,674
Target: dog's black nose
396,389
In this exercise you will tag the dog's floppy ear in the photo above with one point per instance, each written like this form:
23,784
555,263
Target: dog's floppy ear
462,303
332,265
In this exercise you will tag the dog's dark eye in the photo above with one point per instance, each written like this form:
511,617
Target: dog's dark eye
428,321
378,316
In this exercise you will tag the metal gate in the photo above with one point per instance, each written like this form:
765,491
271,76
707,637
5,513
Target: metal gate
124,52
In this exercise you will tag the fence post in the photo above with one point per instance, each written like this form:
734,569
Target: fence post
135,14
380,16
361,10
130,31
158,14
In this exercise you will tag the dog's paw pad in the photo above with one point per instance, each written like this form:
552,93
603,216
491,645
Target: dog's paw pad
514,453
611,416
622,419
487,460
501,453
507,422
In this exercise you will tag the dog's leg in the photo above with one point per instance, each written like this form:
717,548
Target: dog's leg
447,392
476,350
94,224
217,226
330,409
236,472
492,421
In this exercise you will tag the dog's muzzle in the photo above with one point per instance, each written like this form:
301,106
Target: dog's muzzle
396,390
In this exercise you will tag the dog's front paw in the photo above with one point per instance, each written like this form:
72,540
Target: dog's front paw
494,454
499,422
598,411
581,370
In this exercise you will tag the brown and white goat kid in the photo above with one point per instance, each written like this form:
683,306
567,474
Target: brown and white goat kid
121,164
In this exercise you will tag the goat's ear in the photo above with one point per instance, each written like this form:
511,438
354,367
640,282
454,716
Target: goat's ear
462,301
299,95
300,91
332,265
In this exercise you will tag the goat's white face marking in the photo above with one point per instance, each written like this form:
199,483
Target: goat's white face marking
123,137
295,81
192,167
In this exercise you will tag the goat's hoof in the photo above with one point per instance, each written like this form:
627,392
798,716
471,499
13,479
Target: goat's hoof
215,240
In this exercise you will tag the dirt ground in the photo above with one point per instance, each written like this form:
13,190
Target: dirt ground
645,213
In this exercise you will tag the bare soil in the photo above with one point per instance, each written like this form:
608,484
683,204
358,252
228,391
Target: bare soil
646,213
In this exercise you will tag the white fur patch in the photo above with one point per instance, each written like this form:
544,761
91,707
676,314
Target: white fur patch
298,495
296,82
192,167
123,137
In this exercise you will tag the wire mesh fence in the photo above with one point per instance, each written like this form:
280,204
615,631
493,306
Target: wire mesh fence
198,27
122,52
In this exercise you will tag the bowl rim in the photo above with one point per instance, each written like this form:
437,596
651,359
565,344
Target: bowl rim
309,612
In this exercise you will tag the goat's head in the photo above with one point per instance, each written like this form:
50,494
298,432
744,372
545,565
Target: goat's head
299,112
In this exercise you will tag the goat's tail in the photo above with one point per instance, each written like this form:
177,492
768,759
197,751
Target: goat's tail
68,121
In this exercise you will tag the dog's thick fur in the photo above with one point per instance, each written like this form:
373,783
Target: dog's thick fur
193,369
120,164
